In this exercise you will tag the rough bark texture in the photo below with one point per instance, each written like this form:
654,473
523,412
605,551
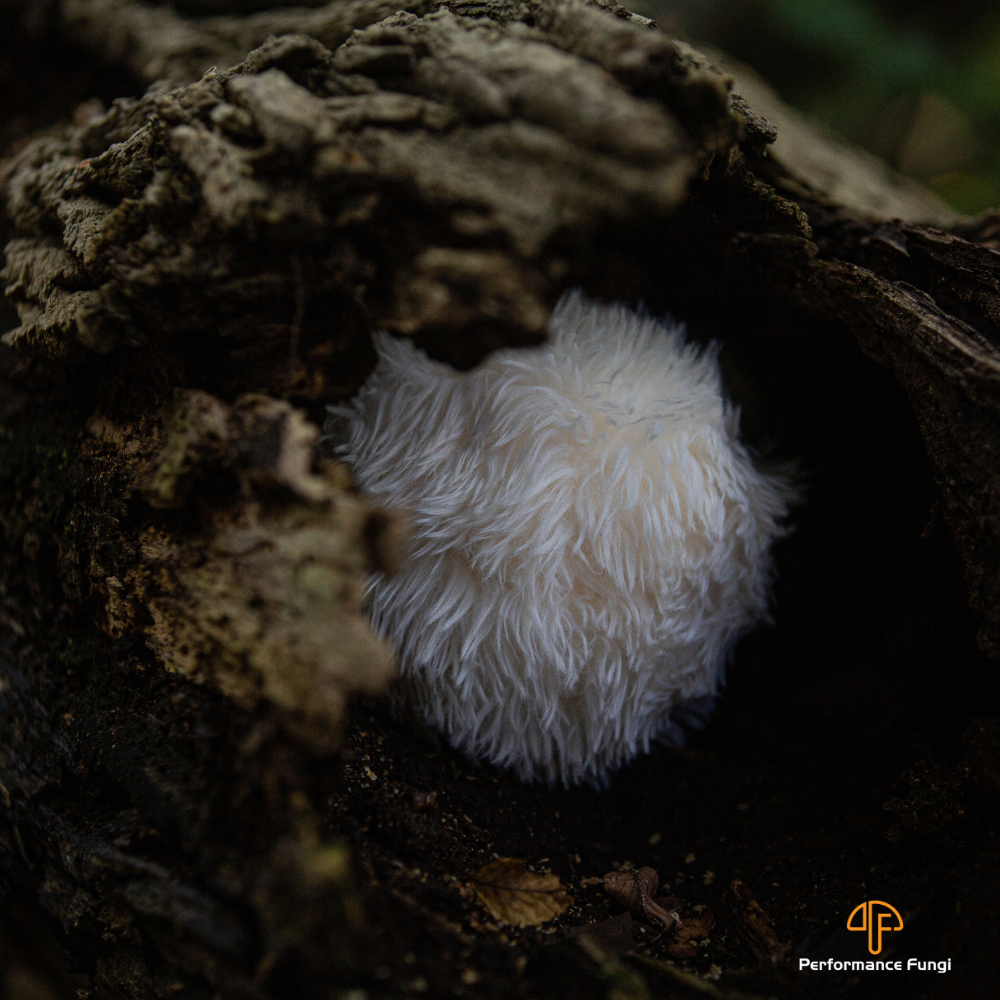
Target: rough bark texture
197,271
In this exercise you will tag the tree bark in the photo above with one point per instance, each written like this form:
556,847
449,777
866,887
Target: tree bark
197,272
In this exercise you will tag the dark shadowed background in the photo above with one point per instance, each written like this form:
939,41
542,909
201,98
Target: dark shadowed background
915,81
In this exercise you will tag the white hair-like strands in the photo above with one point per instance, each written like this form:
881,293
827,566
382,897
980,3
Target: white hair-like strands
591,538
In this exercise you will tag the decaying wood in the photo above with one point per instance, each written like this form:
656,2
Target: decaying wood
198,271
420,177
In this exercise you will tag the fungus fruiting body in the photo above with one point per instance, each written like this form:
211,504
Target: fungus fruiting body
590,536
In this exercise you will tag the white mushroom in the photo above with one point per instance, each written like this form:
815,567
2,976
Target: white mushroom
591,538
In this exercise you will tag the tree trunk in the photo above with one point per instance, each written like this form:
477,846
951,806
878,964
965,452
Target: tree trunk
202,795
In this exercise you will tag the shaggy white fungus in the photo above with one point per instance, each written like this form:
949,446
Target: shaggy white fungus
590,536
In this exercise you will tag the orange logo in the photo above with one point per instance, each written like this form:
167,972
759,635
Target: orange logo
875,922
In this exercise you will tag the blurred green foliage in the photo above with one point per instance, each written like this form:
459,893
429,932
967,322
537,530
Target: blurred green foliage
916,82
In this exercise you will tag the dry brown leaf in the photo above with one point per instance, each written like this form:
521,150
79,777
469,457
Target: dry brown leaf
692,930
754,925
514,895
636,889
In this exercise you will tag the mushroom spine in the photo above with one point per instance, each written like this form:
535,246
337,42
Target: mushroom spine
591,538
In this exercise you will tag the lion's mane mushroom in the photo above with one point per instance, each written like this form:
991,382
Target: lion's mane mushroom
590,540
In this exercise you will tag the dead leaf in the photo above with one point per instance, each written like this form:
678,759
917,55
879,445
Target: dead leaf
754,925
688,933
636,889
516,896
